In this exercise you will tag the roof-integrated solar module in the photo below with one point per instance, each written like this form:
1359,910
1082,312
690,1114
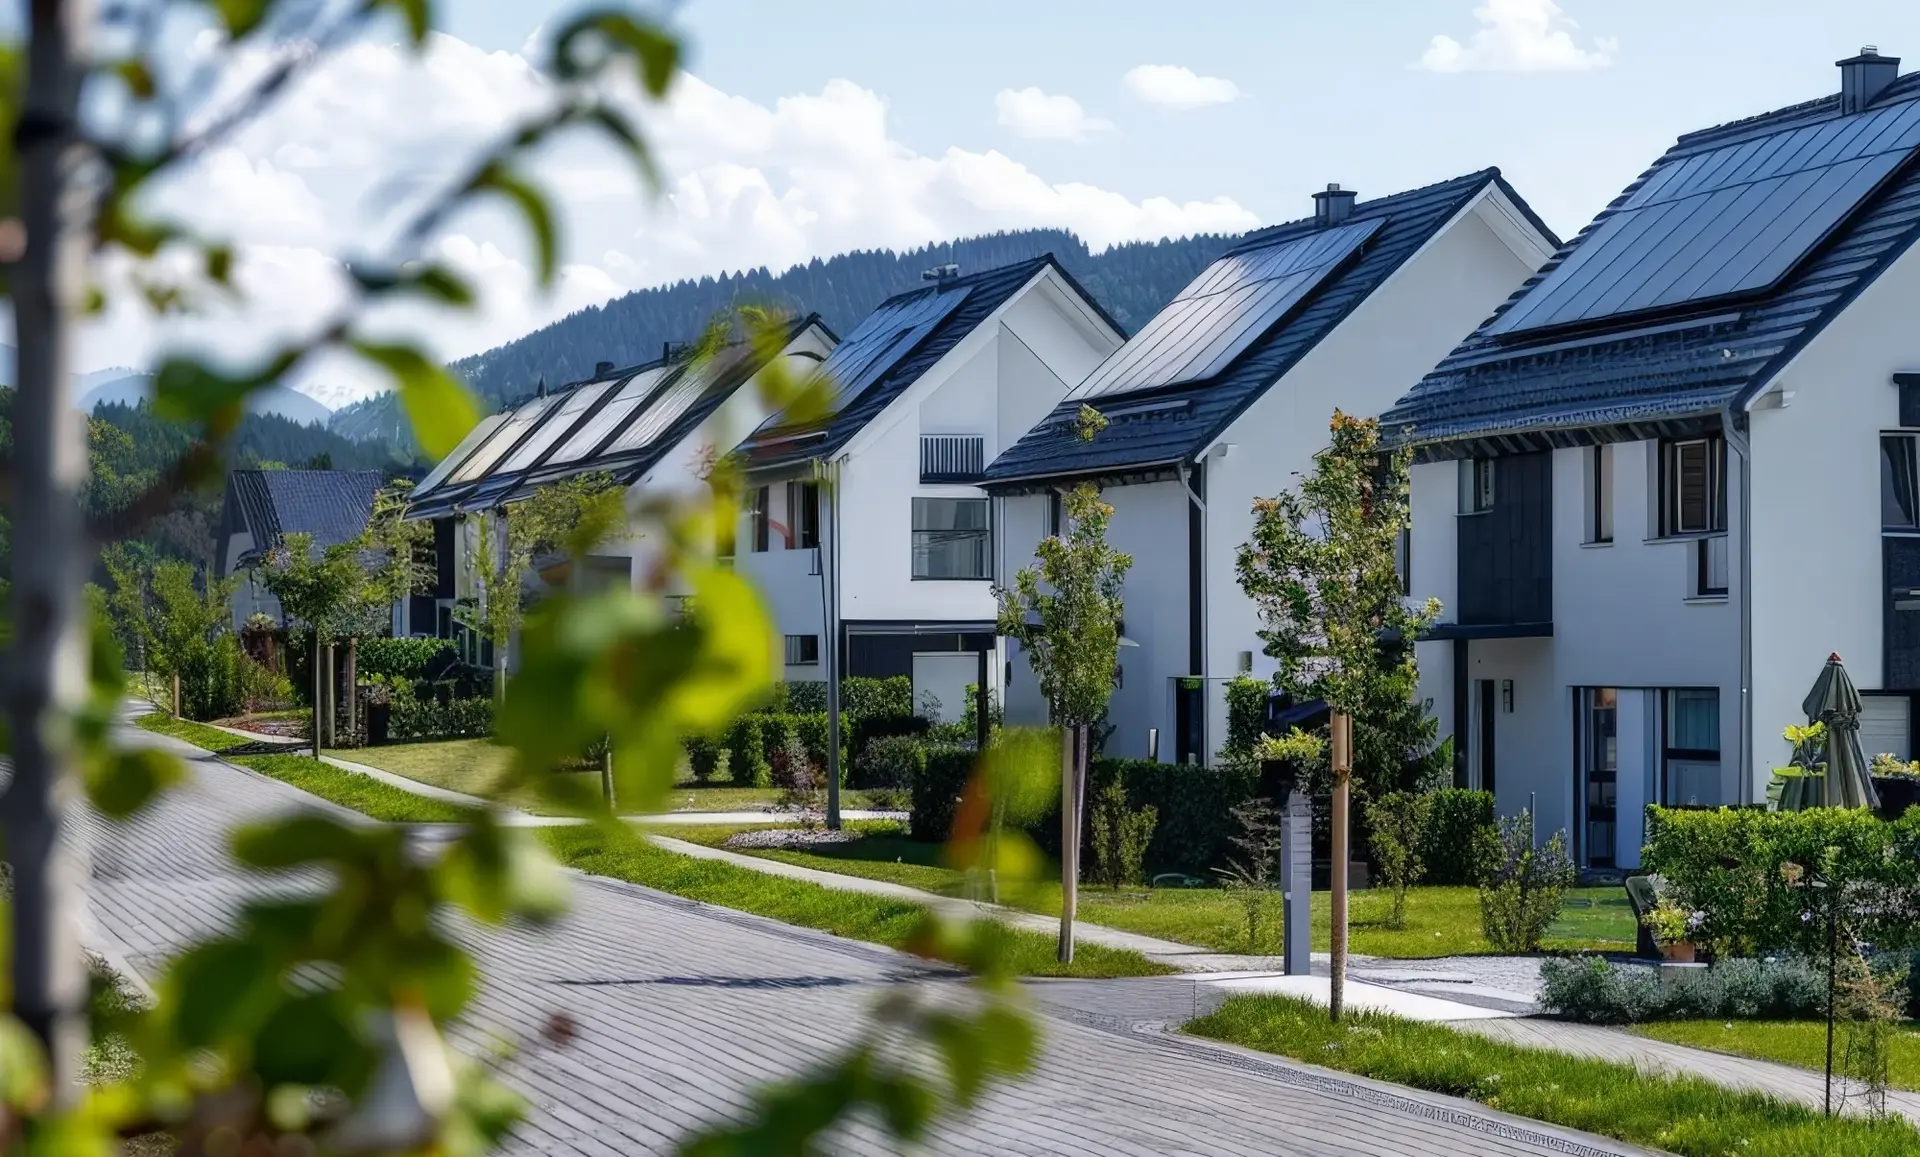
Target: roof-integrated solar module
474,439
558,422
888,334
1225,310
609,417
503,440
1723,222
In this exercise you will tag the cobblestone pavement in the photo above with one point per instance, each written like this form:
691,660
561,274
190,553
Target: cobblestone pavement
682,1010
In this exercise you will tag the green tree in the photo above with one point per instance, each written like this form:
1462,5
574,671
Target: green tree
1321,570
190,639
508,541
1065,612
321,590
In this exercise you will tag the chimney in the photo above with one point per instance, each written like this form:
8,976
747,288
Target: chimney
1333,206
1864,77
941,274
602,369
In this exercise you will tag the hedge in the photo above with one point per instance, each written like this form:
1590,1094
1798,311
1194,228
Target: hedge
1728,865
859,696
747,764
399,658
865,729
891,761
1447,849
936,793
430,719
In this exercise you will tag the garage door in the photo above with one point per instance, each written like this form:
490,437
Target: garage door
1886,724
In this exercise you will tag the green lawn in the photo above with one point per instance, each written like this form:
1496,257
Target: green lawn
875,919
1790,1042
362,793
1680,1115
475,766
198,734
1440,921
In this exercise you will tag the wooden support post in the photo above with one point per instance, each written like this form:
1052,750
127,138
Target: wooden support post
606,775
1069,837
353,691
176,694
1342,729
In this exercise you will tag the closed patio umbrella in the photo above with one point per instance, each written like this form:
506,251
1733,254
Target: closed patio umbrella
1835,702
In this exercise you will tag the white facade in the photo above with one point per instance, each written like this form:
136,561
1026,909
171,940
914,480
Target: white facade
1405,326
1004,376
1803,544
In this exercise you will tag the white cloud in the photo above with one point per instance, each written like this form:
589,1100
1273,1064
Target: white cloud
1519,36
1175,87
375,128
1046,116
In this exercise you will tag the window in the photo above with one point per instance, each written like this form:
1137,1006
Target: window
1710,567
760,519
1403,559
1899,483
1599,787
803,650
803,514
1690,764
1693,487
1600,494
1053,513
951,539
1476,485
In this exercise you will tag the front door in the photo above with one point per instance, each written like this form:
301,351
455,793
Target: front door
1485,708
1189,721
1599,785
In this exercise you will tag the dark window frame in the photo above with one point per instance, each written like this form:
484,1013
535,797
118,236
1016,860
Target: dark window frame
922,538
803,650
803,515
762,518
1478,485
1669,697
1600,477
1672,497
1894,475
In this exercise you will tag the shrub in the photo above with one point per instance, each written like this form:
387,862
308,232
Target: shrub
861,697
210,679
863,730
1253,874
1596,991
400,658
259,687
703,759
1453,825
775,730
936,792
1396,831
1521,886
1728,865
812,733
893,761
1246,717
746,755
432,719
1120,835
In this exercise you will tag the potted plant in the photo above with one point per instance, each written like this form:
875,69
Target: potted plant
1674,928
1897,783
377,695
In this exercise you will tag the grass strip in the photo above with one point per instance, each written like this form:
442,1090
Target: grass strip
875,919
1801,1043
362,793
1684,1115
198,734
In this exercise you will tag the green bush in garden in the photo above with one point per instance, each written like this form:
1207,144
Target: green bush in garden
860,697
1594,990
1456,817
891,761
1522,883
1246,717
1730,866
864,729
399,658
703,758
747,764
1396,829
937,790
1119,835
431,719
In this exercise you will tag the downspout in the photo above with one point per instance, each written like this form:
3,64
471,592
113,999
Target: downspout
1198,622
830,607
1739,442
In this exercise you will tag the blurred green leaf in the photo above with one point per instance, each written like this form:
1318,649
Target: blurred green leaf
440,407
734,666
138,78
498,871
419,17
23,1065
120,783
242,16
218,989
302,839
594,37
306,1040
498,178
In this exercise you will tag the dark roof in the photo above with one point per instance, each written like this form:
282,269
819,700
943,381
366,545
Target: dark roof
775,446
736,365
331,505
1532,388
1153,429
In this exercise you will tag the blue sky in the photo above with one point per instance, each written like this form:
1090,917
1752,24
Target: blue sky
1331,91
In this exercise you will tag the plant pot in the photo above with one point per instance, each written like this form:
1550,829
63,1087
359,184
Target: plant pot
1897,794
379,715
1678,951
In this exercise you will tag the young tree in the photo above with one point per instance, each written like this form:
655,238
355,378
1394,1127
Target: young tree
1321,570
322,590
1065,613
510,539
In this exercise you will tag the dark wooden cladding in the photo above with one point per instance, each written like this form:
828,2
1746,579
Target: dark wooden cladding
1506,553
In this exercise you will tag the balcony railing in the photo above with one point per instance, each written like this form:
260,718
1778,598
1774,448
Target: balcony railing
952,457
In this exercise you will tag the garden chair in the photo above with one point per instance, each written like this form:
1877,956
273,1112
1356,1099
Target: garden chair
1643,892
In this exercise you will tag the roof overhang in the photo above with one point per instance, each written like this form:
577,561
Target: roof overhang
1442,632
1504,443
1102,476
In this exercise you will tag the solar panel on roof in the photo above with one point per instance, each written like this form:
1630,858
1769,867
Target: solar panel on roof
480,433
555,425
1722,222
665,409
1225,310
888,334
502,440
609,417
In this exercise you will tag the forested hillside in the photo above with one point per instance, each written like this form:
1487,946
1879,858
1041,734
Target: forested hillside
1131,281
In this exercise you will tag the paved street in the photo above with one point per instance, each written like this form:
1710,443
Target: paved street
683,1009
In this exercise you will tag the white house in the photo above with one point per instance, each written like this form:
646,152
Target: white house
871,516
1223,397
1677,470
655,429
262,507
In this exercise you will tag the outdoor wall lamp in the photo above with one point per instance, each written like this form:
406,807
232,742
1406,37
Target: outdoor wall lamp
1506,696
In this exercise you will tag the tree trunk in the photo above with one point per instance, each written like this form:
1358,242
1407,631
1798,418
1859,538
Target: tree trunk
353,692
176,694
1342,728
319,696
47,666
606,775
1069,836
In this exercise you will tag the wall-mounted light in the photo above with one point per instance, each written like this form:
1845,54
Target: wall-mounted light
1506,696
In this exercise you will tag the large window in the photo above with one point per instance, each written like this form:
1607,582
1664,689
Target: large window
803,514
1600,494
803,650
1476,485
952,539
1690,767
761,518
1899,483
1599,775
1693,496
